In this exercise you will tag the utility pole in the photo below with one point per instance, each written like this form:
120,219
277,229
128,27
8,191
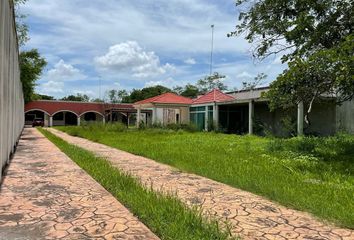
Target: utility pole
212,49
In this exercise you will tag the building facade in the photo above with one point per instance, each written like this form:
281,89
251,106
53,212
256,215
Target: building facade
246,112
11,95
62,113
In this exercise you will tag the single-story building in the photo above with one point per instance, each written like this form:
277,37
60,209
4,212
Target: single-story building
60,113
237,112
246,111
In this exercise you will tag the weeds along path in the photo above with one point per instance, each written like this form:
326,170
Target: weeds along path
249,215
45,195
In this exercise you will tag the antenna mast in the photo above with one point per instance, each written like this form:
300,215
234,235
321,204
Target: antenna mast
212,49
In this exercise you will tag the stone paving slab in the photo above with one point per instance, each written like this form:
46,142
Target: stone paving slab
45,195
250,216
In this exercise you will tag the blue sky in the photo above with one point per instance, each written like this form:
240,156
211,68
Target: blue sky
136,43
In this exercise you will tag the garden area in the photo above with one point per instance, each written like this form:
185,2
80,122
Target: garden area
313,174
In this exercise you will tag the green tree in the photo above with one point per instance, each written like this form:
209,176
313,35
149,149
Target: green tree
314,37
77,98
97,100
21,26
209,83
188,90
31,67
31,63
327,72
257,81
112,96
148,92
122,94
42,97
297,26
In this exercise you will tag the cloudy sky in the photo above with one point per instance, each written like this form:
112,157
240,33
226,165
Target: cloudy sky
126,44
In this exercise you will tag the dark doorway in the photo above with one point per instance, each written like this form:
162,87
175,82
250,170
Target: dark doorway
70,118
30,116
234,118
90,116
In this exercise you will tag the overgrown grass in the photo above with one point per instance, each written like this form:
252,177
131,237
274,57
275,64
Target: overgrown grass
164,215
311,174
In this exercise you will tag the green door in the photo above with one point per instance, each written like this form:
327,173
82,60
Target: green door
198,119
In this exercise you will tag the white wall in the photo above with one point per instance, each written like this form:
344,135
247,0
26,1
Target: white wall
182,111
11,96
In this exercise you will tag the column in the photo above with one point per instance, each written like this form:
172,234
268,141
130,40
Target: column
300,119
250,116
138,115
128,116
216,115
206,118
50,121
154,115
78,120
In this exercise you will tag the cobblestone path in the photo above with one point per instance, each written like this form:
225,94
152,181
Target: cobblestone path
250,216
45,195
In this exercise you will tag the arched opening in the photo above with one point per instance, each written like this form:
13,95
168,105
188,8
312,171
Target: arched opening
64,118
30,116
91,117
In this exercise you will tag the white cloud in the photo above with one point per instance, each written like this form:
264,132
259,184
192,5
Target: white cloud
190,61
169,82
244,75
175,30
51,87
85,92
64,72
129,56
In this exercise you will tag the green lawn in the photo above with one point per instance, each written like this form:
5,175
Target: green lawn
311,174
165,215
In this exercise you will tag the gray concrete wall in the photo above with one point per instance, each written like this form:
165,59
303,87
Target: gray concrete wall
322,117
11,96
345,117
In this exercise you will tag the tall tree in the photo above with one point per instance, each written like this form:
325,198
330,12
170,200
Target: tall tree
315,37
77,98
31,66
257,81
209,83
122,94
42,97
325,73
112,96
31,63
21,26
295,28
137,94
188,90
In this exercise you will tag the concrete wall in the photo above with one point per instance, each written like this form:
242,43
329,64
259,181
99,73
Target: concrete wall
11,96
185,118
182,111
345,117
322,118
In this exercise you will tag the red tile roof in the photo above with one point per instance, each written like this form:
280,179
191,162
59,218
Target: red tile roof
167,98
52,106
213,96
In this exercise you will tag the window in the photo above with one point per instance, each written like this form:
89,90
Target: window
197,109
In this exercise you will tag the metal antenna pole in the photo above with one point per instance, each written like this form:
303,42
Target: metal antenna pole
212,49
99,84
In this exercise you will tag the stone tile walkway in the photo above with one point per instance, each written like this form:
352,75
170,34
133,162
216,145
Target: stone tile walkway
250,216
47,196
